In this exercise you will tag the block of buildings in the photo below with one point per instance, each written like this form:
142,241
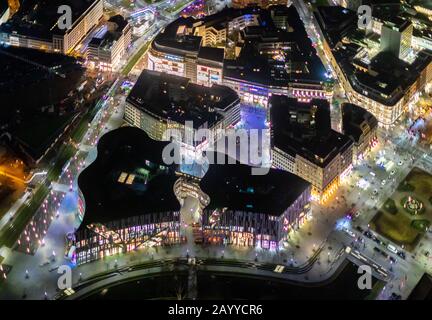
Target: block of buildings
252,210
257,52
380,69
361,126
304,144
35,25
128,197
107,51
159,102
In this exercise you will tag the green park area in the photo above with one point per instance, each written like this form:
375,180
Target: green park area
134,60
407,214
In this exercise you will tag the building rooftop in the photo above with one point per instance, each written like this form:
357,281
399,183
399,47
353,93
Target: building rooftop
354,118
38,18
427,4
212,54
112,34
177,99
423,289
297,60
305,129
25,89
128,178
386,78
174,39
233,187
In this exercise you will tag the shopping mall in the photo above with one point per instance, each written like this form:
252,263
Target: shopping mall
253,210
129,199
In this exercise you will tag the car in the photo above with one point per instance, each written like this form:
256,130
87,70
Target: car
368,234
384,254
392,248
352,234
395,296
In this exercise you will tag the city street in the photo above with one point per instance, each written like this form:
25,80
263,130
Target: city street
311,254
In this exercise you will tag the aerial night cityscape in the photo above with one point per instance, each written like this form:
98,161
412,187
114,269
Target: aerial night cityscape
215,150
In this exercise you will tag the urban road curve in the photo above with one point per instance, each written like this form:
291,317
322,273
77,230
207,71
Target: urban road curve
110,278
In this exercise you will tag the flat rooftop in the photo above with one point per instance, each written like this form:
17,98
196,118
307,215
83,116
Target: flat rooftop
128,178
388,77
177,99
353,117
232,186
256,64
305,129
175,40
113,34
38,18
212,54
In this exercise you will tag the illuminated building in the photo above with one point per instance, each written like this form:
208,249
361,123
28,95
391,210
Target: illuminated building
350,4
378,81
128,198
210,66
160,102
39,30
177,50
252,210
361,126
423,7
303,143
396,38
212,35
266,59
276,61
107,51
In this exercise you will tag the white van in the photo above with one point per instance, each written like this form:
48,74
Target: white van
392,248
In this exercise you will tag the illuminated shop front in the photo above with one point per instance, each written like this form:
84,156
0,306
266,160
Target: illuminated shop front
152,229
164,62
251,229
249,93
249,210
206,75
129,198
